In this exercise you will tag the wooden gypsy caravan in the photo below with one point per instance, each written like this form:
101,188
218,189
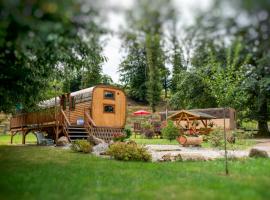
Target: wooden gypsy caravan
99,110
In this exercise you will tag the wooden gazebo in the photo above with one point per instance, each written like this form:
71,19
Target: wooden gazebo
190,116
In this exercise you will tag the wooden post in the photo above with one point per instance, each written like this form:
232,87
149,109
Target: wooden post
188,122
11,137
56,133
23,137
225,142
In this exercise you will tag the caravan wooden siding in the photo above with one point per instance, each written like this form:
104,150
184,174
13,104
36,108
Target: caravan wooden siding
78,111
117,117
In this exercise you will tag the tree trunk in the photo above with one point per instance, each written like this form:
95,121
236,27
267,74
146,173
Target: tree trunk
263,119
263,129
153,108
166,92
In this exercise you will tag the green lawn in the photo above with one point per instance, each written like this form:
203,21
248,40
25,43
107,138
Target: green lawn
141,140
31,172
17,139
239,144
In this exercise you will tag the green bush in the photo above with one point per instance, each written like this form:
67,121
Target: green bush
215,138
128,151
148,130
81,146
128,132
243,134
170,131
119,137
258,153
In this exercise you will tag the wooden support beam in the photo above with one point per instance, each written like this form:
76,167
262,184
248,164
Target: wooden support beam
188,122
204,123
179,119
23,137
11,137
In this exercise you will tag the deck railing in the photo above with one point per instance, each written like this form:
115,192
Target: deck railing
64,122
89,123
30,119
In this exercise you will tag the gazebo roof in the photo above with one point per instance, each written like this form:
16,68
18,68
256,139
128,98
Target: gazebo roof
191,115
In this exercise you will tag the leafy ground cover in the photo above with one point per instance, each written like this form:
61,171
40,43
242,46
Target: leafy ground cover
31,172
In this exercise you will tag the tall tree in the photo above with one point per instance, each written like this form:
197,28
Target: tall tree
133,69
154,79
215,32
177,58
146,19
39,40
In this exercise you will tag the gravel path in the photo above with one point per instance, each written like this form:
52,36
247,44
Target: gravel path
174,152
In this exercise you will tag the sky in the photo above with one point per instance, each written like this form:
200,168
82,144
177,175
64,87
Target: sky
115,20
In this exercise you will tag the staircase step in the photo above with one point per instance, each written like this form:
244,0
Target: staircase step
74,131
77,132
76,128
78,136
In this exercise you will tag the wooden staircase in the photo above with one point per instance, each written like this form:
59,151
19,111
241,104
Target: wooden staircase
76,132
72,131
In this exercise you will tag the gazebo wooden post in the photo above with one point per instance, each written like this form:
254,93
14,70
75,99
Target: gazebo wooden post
179,119
187,120
204,123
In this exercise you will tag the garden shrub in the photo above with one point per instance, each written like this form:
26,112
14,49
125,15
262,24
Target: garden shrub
215,138
81,146
170,132
258,153
148,130
149,133
128,151
119,137
243,134
128,132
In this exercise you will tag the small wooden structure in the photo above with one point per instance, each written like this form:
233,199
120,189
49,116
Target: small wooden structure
189,117
99,110
217,113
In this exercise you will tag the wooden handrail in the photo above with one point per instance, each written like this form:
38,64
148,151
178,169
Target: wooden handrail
65,117
89,119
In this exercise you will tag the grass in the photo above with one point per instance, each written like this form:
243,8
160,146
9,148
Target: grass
239,144
141,140
17,139
31,172
31,139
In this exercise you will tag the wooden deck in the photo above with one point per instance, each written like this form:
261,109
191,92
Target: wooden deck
34,119
57,125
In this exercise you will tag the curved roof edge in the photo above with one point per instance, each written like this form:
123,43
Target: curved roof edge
80,93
